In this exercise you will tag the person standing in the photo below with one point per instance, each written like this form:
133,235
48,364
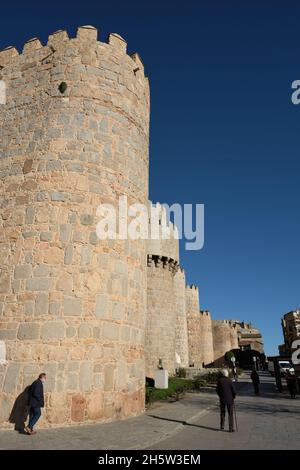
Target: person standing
291,382
255,381
36,402
227,394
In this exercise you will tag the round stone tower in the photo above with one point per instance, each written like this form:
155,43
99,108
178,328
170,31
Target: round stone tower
221,339
234,335
163,259
181,332
193,325
74,134
207,347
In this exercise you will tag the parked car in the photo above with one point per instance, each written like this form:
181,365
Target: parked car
284,367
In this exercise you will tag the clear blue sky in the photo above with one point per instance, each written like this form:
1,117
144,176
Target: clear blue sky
223,132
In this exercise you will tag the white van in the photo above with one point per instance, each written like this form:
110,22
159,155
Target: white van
284,367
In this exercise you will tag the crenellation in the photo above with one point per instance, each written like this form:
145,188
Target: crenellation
116,41
32,45
87,33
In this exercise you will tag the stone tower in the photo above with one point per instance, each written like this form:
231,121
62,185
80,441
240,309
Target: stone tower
181,330
193,325
207,347
74,134
234,335
221,339
165,301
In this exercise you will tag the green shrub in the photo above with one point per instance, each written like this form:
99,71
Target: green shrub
212,377
199,382
177,387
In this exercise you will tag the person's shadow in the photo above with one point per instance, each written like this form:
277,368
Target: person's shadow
20,411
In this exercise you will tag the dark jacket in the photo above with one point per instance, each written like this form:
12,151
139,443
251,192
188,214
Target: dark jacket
255,377
36,394
225,390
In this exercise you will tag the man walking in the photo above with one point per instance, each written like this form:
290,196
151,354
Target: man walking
255,381
36,402
226,393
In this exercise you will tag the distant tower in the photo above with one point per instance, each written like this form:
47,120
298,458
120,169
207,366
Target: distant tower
165,301
221,339
74,133
193,325
207,347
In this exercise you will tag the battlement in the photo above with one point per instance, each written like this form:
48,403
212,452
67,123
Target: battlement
192,286
163,262
205,313
86,38
163,234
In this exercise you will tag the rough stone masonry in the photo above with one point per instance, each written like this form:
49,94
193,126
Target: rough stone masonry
72,306
96,316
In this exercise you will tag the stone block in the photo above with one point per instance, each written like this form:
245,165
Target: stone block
70,332
41,304
109,377
54,308
41,270
65,232
86,376
72,381
29,217
8,334
94,240
58,196
53,330
103,259
72,306
78,408
95,405
46,236
86,219
68,254
111,331
101,305
22,271
118,311
29,331
6,405
38,284
12,378
125,333
86,255
29,308
85,331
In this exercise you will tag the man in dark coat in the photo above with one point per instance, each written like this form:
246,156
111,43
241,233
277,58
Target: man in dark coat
291,382
36,402
226,392
255,381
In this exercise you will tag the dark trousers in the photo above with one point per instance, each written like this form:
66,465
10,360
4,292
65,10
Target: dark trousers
34,416
256,388
229,407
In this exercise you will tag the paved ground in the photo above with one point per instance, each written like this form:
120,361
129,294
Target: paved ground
270,421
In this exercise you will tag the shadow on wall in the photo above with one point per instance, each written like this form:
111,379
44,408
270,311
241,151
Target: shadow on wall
20,410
